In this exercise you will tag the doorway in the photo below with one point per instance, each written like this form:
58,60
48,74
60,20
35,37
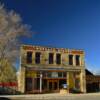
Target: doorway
53,85
28,84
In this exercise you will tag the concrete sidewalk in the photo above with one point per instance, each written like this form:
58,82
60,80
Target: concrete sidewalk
54,96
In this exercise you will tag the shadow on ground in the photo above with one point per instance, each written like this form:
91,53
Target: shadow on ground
3,98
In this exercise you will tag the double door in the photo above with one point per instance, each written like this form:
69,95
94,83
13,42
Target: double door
53,85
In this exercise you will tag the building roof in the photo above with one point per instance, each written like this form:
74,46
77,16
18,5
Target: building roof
88,72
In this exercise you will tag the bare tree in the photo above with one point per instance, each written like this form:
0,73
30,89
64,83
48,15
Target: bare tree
11,29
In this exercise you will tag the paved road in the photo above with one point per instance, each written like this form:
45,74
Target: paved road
90,96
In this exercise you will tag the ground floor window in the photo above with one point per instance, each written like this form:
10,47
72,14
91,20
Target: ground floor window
52,81
47,84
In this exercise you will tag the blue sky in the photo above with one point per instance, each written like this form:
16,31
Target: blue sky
63,23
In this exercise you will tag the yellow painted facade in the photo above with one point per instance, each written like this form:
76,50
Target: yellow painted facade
31,74
31,69
71,80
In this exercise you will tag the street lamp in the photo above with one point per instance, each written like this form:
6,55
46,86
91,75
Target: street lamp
40,82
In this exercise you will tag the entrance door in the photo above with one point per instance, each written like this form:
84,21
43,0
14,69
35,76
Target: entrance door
28,84
53,85
50,85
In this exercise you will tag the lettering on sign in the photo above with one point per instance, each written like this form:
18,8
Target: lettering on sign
76,52
28,48
45,49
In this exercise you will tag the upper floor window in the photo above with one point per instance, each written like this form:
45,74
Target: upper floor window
70,59
58,58
77,60
37,57
51,58
29,57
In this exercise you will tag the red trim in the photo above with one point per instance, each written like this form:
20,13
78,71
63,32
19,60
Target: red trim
11,84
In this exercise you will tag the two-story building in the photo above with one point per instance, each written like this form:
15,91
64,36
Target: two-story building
47,69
